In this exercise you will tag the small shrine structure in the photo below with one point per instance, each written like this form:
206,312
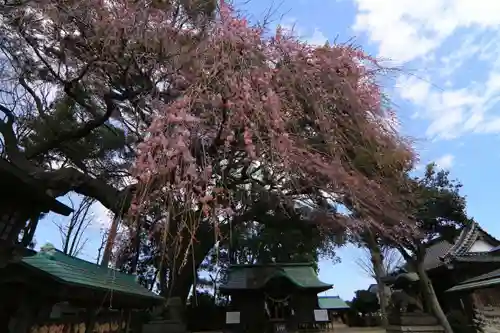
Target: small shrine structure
274,297
337,309
24,200
53,292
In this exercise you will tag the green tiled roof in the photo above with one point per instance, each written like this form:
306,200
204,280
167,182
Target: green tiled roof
332,303
256,276
482,281
74,271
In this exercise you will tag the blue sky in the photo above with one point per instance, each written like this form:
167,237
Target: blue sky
445,95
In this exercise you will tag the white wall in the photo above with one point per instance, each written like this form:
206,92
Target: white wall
481,246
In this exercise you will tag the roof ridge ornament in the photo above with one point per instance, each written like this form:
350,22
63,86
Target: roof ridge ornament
461,245
471,238
48,250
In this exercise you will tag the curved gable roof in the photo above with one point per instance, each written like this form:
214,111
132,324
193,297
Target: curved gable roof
247,277
441,251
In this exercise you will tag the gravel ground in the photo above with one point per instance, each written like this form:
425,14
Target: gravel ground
338,330
357,330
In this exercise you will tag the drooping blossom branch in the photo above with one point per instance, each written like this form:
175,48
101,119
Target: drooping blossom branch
313,114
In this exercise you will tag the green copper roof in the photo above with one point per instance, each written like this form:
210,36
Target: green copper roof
256,276
332,303
78,272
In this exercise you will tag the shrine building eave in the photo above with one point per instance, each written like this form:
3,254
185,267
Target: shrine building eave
490,279
441,253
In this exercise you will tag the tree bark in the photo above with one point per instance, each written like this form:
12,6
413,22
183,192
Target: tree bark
431,298
180,284
163,277
137,248
108,249
379,271
65,180
181,279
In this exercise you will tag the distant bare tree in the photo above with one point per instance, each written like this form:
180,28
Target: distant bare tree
391,260
102,244
72,231
111,244
378,261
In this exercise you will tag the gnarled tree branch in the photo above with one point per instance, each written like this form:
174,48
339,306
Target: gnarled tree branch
74,135
65,180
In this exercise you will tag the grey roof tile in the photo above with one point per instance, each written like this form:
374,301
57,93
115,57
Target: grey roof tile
485,280
434,254
442,250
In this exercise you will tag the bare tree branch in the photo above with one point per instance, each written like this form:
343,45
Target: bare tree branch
391,260
72,231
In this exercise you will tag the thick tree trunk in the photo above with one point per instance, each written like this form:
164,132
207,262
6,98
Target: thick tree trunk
378,269
163,277
381,288
137,249
181,279
108,249
431,298
180,284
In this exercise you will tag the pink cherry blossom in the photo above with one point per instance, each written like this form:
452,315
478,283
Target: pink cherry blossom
311,114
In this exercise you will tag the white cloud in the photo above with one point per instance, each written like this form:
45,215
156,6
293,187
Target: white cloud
443,38
445,161
315,38
452,112
409,29
102,216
